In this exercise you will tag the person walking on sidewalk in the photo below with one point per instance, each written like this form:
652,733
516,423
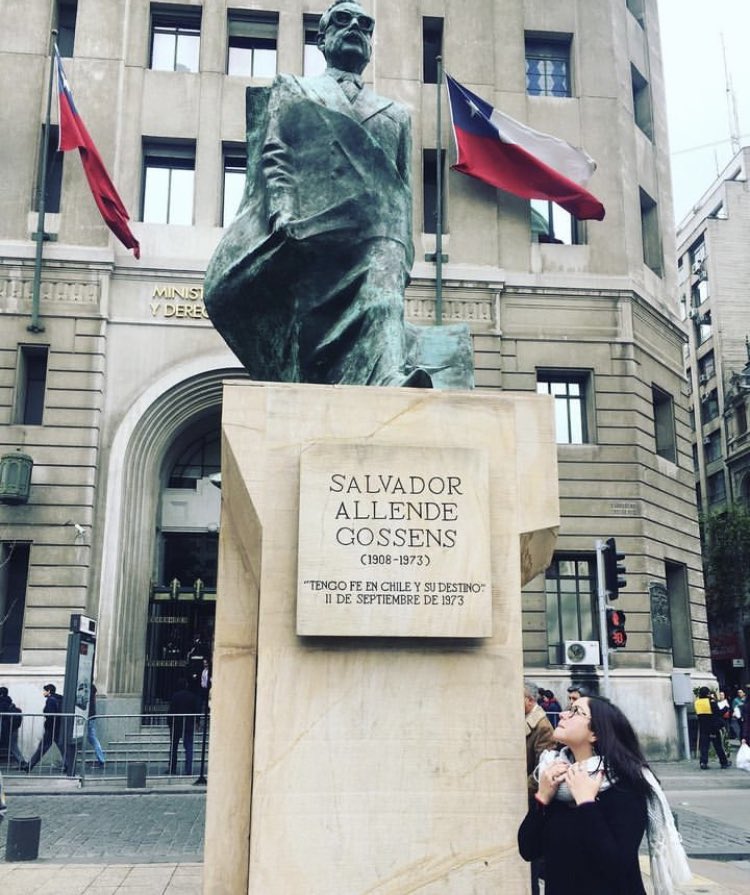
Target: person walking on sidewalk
597,796
91,732
11,718
54,731
710,724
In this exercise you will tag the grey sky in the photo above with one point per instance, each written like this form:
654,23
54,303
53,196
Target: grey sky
699,130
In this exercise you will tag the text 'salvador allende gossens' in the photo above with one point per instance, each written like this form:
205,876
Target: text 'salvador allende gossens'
396,511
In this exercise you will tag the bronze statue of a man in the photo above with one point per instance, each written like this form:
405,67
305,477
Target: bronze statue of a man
308,283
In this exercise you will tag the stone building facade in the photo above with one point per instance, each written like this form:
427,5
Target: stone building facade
714,272
122,520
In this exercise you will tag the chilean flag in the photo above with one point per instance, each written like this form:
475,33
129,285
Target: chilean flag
495,148
73,135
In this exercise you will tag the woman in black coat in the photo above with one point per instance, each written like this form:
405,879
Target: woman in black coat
596,799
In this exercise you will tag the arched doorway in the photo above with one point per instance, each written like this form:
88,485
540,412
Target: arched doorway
182,598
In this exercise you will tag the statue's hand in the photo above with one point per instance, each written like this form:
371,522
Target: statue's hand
279,221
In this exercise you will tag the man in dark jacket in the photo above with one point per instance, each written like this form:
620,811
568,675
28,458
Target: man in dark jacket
183,707
10,722
54,731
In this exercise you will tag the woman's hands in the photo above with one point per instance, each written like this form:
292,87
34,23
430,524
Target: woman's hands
549,780
582,786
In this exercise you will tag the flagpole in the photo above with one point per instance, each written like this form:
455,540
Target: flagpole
35,326
439,200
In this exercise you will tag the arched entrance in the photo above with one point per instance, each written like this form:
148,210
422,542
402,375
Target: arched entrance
154,435
182,598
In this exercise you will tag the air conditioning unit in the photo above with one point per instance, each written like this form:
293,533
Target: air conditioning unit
582,652
693,313
703,379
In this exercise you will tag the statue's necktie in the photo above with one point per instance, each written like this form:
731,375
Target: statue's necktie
350,88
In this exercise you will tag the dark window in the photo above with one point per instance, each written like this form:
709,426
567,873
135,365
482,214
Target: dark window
740,419
31,384
703,329
664,424
234,182
168,175
651,237
54,172
699,293
709,406
175,38
200,459
14,573
642,103
570,586
548,65
716,488
712,446
706,367
66,26
313,62
636,8
251,44
429,189
432,47
552,224
188,556
570,393
679,611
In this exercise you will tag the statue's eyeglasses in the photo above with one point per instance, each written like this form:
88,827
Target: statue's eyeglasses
342,17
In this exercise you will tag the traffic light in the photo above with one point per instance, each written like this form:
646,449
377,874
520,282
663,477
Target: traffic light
613,571
617,637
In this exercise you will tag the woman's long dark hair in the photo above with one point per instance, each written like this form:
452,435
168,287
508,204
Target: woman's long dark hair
618,745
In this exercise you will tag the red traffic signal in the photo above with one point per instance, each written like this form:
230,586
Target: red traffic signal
617,637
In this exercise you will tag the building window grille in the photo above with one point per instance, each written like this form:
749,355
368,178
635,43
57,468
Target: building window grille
168,180
570,394
652,252
642,110
235,166
552,224
251,44
432,47
548,66
570,589
14,573
313,61
66,10
175,38
31,381
664,433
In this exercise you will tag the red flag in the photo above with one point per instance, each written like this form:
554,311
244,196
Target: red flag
73,135
501,151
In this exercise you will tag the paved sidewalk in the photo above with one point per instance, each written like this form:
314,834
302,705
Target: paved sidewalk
41,878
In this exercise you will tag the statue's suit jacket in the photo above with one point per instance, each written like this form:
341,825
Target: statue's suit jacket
339,174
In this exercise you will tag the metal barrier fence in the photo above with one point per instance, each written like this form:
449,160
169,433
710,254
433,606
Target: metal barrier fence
105,746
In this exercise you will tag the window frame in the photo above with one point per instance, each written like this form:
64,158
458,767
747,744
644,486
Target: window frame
433,32
66,15
586,616
653,253
28,355
643,112
172,156
14,573
554,215
182,22
567,377
665,436
234,161
548,47
252,30
313,61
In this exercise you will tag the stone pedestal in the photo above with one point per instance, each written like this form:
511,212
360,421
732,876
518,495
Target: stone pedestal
384,751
